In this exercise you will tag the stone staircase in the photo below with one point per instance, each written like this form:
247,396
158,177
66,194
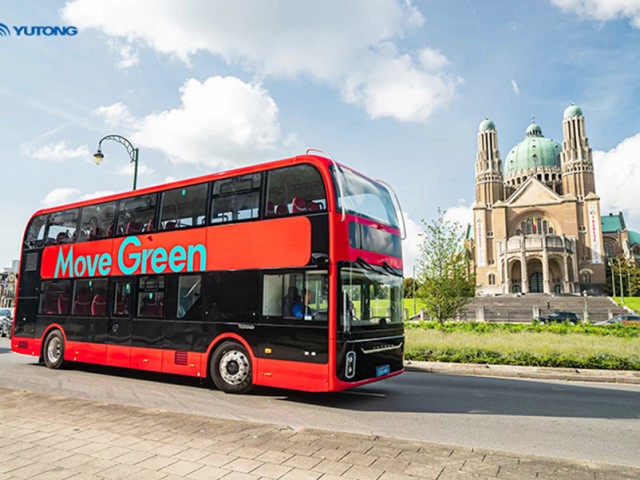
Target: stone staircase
512,308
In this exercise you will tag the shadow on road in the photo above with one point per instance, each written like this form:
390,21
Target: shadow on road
435,393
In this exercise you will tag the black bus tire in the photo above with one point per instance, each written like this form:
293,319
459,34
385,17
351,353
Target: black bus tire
230,368
53,350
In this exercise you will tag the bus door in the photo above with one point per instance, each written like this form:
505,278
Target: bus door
119,325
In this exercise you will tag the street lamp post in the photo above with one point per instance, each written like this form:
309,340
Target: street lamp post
613,277
131,150
621,287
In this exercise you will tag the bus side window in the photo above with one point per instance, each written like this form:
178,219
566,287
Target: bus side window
235,199
151,297
137,215
183,207
189,293
294,190
62,227
96,220
35,233
54,297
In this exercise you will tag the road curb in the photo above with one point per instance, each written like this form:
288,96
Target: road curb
547,373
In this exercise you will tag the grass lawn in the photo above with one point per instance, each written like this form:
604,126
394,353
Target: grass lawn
631,302
543,343
540,348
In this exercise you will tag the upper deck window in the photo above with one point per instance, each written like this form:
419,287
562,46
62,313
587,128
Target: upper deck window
97,221
35,233
136,215
183,207
62,227
235,199
366,198
297,189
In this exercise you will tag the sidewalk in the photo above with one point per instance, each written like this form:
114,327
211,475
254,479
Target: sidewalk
515,371
46,437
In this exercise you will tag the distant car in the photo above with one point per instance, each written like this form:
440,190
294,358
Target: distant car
6,322
626,318
559,317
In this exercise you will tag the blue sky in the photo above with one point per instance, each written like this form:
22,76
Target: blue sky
395,89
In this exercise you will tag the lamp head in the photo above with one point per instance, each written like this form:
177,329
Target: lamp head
98,157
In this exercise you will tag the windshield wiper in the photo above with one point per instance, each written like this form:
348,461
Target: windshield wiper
365,264
390,269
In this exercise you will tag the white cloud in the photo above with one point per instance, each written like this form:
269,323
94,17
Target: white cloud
116,115
221,123
64,195
128,54
603,10
617,175
128,169
411,245
389,84
461,214
516,88
97,194
327,41
59,196
55,152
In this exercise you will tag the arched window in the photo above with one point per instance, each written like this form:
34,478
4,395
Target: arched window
586,278
608,250
536,226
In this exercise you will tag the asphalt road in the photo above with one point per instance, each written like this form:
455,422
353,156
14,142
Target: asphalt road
576,421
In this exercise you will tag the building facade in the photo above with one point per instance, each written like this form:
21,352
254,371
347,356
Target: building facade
536,219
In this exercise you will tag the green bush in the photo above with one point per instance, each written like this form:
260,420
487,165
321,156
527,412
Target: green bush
619,330
476,355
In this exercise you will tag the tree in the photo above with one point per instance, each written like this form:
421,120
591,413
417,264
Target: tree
446,285
408,286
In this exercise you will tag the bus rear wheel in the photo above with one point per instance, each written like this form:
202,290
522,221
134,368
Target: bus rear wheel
53,351
230,368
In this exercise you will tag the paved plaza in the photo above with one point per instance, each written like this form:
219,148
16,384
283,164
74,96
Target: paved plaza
47,437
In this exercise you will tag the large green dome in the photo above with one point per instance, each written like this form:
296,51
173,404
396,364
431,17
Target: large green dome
533,152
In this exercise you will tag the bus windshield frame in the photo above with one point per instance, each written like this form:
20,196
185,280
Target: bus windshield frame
364,197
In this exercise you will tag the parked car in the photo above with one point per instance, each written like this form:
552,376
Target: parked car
6,322
559,317
625,318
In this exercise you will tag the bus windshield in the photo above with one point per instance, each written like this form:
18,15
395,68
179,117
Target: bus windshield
369,298
366,198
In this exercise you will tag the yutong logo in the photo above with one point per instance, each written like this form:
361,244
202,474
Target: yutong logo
37,31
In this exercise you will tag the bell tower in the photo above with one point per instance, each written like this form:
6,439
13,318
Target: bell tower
576,158
489,180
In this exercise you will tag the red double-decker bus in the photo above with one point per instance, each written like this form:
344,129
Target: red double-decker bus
285,274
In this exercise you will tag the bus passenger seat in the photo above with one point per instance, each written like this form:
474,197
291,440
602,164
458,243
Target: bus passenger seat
62,237
282,210
82,304
298,205
314,206
63,303
171,225
99,305
271,209
133,228
148,227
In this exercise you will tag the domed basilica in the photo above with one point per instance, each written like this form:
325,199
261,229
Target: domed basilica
537,224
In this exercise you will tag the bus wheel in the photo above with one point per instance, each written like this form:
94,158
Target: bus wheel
230,368
53,352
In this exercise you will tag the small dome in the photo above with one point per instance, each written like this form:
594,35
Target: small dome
534,130
572,111
485,125
533,152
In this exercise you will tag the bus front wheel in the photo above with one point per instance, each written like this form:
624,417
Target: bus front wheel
53,352
230,368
